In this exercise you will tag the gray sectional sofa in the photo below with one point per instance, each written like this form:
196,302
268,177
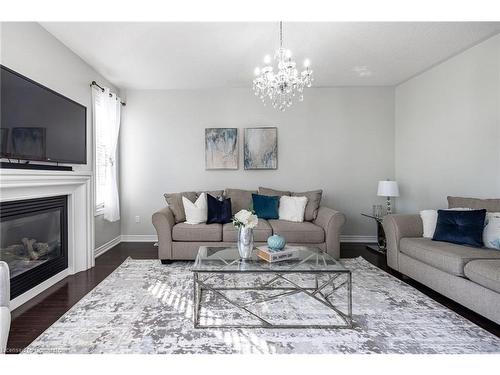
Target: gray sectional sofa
179,240
467,275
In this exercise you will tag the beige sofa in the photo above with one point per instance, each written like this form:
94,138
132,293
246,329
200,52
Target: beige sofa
179,240
467,275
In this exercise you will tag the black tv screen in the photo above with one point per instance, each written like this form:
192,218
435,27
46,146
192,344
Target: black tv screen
37,123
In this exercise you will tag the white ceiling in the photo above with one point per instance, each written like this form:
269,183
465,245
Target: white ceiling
192,55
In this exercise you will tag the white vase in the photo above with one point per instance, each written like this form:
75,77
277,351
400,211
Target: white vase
245,242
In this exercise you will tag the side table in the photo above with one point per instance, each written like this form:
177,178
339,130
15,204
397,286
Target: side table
381,242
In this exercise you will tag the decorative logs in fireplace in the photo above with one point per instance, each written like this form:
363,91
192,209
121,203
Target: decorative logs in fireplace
29,248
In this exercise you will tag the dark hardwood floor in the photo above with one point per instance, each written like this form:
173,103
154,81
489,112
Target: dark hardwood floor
35,316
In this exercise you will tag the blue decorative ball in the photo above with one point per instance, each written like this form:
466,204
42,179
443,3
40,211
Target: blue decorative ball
276,242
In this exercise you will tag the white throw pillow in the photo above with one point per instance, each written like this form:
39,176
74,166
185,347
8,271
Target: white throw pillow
429,220
196,213
491,233
292,208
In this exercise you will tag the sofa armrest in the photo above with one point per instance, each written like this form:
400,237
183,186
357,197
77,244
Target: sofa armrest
163,221
331,221
4,305
397,226
4,285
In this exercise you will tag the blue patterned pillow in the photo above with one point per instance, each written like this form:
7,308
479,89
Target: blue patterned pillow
491,234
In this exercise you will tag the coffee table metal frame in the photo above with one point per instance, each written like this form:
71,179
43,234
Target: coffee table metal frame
202,276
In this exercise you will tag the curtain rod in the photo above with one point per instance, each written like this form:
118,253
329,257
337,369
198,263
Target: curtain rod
94,83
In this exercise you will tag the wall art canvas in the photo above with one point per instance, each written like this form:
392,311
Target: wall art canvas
221,148
261,148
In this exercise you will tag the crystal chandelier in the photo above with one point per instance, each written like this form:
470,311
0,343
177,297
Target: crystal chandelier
282,86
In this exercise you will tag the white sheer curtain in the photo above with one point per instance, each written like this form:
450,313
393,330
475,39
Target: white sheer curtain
106,117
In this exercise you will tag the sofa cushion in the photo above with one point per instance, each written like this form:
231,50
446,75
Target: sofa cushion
485,272
240,199
490,205
197,232
304,232
445,256
273,193
174,202
260,233
313,202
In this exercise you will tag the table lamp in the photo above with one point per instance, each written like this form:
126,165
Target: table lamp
388,189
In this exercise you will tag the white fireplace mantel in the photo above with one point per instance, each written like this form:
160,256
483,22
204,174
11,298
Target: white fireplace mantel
27,184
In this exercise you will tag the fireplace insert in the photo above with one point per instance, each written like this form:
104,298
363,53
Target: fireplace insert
34,240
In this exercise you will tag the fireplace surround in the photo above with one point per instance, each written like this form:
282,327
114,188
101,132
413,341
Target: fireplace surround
34,240
77,187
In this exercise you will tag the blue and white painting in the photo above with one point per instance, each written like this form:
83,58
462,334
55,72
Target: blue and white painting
261,148
221,148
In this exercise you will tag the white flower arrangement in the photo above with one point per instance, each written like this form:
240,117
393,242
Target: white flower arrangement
245,219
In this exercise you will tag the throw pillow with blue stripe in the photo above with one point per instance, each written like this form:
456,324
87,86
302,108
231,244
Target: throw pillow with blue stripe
491,234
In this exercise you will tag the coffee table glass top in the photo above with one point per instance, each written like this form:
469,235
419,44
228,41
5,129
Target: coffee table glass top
227,259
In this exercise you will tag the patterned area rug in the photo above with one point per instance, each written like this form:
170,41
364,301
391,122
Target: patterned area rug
146,307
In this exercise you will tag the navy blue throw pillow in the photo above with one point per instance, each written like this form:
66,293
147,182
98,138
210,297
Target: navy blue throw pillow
460,227
219,211
266,207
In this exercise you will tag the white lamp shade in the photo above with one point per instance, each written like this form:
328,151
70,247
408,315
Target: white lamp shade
388,189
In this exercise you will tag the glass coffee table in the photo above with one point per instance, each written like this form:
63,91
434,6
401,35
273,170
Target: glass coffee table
270,293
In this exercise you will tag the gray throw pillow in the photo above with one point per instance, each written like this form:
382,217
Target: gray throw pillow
214,193
490,205
313,202
272,192
240,199
174,201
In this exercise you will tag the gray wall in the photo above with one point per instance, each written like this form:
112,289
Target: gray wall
338,139
448,130
30,50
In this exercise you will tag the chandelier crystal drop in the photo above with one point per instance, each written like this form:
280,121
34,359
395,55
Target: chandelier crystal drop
280,86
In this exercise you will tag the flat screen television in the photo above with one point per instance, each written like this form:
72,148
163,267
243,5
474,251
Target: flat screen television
37,123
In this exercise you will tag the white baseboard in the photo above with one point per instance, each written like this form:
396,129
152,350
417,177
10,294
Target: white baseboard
139,238
358,238
154,238
108,245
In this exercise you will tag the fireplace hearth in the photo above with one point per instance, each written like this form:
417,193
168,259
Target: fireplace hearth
33,240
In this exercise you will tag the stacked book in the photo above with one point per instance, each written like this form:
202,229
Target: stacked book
271,256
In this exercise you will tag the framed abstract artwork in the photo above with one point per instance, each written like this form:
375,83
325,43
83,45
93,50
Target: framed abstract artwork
221,148
260,148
